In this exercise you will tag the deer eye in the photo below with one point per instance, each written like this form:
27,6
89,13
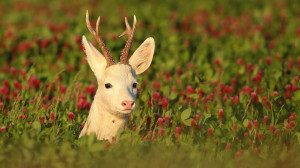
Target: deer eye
134,85
108,85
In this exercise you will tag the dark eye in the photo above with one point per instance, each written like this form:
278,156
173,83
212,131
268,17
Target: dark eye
134,85
108,85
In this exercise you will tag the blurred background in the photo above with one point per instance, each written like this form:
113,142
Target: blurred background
179,27
180,23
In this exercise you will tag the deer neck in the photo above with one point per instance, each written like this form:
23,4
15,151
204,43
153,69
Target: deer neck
103,121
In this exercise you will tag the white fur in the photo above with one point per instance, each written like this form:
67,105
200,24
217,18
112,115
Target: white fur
107,115
142,57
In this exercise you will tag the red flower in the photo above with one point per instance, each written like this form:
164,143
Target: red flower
45,43
193,123
42,119
249,126
161,132
199,127
254,97
271,128
164,102
178,130
221,113
288,127
260,136
227,148
234,128
296,77
198,117
77,38
9,33
3,128
71,116
157,85
288,87
217,61
160,122
210,132
189,89
268,60
265,120
255,123
156,96
12,71
240,61
107,145
298,31
133,127
294,88
52,116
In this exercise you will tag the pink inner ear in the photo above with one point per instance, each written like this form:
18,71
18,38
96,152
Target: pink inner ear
143,55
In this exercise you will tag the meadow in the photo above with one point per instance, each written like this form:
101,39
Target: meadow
222,90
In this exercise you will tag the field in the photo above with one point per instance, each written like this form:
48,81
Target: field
222,90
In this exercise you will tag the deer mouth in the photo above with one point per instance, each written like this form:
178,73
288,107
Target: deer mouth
126,111
123,110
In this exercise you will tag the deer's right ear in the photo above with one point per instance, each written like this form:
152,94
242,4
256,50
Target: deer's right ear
142,57
95,59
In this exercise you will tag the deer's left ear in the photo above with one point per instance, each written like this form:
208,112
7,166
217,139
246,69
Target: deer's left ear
142,57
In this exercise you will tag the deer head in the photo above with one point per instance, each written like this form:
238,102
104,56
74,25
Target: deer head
117,82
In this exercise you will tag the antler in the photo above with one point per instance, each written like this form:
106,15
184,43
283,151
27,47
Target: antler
97,36
130,33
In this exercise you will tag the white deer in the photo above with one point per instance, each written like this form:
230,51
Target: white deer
117,84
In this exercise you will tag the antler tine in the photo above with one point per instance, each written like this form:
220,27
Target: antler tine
130,33
98,38
128,28
97,26
88,24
